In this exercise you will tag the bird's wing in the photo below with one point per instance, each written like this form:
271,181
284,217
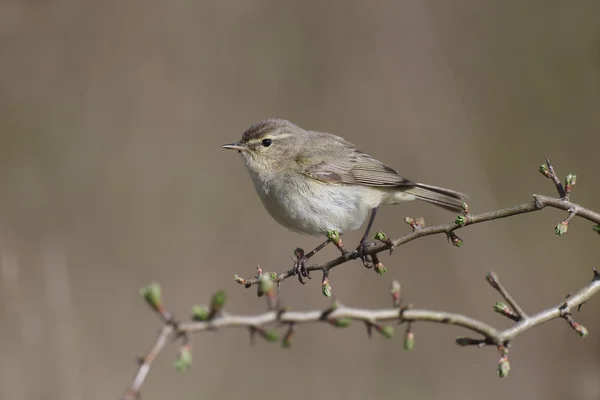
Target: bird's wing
347,165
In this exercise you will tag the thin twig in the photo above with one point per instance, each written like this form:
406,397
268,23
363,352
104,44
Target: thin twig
339,315
371,317
493,280
539,202
145,363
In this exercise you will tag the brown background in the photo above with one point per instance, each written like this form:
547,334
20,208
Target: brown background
112,115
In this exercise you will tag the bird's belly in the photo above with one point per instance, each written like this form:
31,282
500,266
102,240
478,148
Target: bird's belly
314,208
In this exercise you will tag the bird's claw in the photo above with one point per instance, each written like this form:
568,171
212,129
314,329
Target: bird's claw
361,252
300,264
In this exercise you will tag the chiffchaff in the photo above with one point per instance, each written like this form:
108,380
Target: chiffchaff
317,183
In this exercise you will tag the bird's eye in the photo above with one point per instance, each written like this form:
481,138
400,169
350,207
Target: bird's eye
266,142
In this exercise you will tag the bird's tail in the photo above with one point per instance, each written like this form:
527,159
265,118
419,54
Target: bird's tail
445,198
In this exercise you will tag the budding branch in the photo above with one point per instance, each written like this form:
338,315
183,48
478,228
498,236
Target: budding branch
339,315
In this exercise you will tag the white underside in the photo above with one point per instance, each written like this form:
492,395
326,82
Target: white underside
311,207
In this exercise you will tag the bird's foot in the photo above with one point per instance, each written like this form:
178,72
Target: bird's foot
361,252
300,264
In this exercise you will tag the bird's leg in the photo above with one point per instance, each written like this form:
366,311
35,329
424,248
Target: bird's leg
302,259
363,245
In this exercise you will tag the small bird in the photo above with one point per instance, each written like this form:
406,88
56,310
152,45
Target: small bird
316,183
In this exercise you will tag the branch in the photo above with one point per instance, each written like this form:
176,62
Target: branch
539,202
340,316
214,317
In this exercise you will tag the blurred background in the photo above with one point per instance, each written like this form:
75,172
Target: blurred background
112,115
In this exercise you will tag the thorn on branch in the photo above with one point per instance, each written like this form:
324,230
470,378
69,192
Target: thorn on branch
548,171
467,341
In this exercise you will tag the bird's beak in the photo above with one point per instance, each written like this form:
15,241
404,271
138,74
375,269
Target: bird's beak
235,146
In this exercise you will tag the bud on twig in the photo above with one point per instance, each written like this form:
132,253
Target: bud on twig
409,340
239,279
504,309
340,322
380,269
503,366
386,331
456,241
395,292
152,295
326,287
286,342
461,220
569,183
216,303
200,313
561,228
183,362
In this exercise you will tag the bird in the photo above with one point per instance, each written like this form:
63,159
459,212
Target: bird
318,183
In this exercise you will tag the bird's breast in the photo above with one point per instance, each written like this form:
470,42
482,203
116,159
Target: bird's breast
312,207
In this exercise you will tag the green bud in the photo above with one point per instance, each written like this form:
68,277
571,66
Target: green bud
151,294
395,292
465,207
326,287
266,283
544,170
500,307
200,313
380,269
409,340
382,237
387,331
409,220
461,220
503,367
286,342
217,301
239,279
580,329
270,336
457,242
561,229
596,229
341,322
183,361
570,180
334,236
